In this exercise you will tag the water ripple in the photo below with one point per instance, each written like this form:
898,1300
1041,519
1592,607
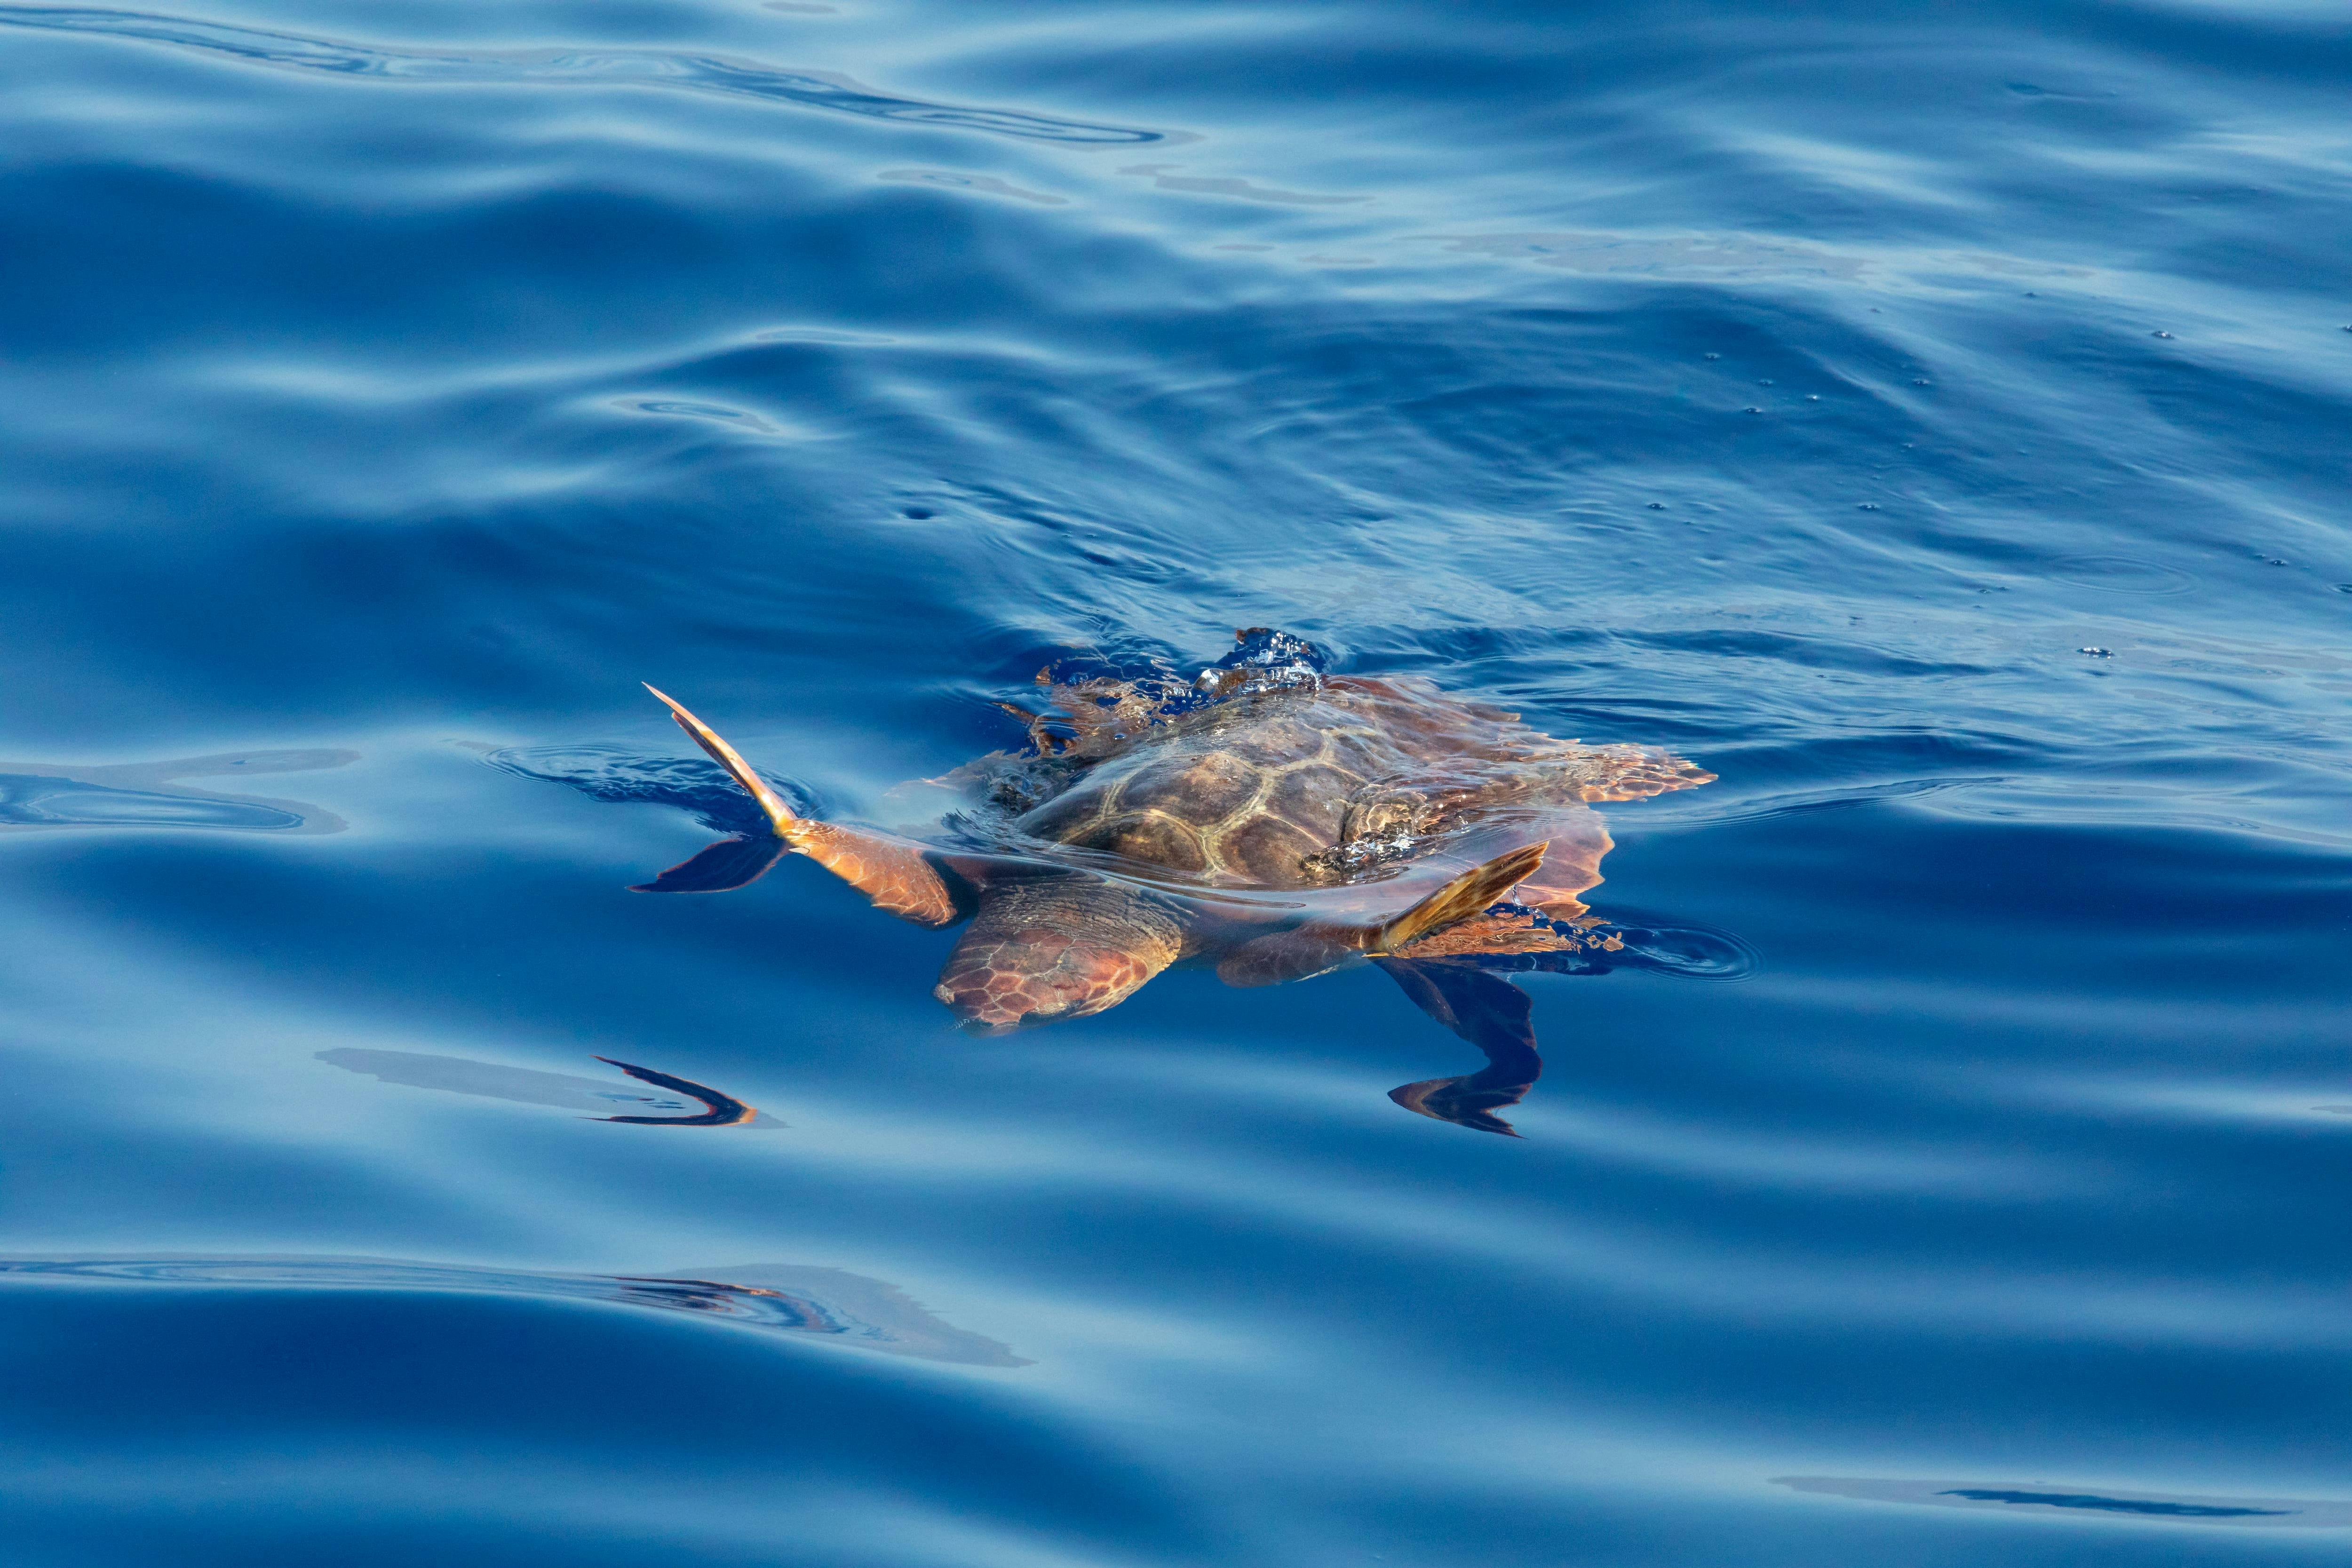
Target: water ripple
154,794
2037,1496
844,1308
2008,1150
716,74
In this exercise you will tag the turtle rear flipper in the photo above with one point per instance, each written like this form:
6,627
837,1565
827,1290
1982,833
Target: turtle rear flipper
720,867
896,876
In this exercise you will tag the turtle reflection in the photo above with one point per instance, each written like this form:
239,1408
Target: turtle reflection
1265,819
462,1075
1469,994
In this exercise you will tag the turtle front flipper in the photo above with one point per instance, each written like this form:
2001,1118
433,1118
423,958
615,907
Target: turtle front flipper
1471,893
896,876
1312,949
1490,1013
1517,928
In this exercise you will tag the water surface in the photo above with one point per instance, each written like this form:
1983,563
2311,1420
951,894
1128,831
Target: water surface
1930,421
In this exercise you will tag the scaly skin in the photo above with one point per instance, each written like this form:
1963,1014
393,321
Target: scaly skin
1019,962
896,876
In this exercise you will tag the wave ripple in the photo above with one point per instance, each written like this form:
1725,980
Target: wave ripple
580,68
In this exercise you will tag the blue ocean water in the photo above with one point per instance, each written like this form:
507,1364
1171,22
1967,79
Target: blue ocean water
1932,420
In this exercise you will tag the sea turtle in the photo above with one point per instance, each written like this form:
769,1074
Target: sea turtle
1267,818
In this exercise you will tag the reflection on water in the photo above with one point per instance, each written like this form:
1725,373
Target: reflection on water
718,1109
621,776
714,74
827,1304
987,184
1265,820
2048,1499
150,795
458,1075
1722,256
380,378
1243,190
2101,1504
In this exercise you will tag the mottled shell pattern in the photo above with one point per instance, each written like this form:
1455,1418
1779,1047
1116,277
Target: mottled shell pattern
1291,783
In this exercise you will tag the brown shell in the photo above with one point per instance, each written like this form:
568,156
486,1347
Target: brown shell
1262,791
1242,803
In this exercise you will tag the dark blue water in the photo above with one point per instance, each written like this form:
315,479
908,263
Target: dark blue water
1933,420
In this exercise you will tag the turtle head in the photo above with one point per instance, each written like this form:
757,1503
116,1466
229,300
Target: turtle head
1058,948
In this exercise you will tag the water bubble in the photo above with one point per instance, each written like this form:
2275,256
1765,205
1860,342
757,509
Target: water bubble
2097,652
1813,397
1714,356
1264,660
